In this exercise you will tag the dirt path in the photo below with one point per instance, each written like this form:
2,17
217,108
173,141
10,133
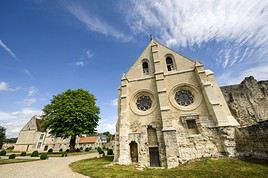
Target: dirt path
52,168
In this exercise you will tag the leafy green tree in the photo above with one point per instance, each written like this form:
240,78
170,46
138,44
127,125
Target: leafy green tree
2,136
70,114
108,135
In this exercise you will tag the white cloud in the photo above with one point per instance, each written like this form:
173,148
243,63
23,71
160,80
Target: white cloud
32,91
105,125
84,58
28,102
5,87
28,73
115,102
8,50
239,25
94,23
14,121
230,77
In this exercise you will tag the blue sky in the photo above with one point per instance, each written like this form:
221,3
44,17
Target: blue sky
47,47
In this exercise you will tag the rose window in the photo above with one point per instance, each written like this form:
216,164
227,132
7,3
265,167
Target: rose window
184,97
144,103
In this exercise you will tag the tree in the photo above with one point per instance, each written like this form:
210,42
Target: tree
108,135
70,114
2,136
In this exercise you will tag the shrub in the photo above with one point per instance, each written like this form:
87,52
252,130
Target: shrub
68,150
102,152
23,153
35,154
77,150
110,152
10,148
81,148
60,150
99,149
87,149
3,153
12,156
43,156
50,150
64,154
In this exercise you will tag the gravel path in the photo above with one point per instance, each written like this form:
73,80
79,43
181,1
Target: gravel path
51,168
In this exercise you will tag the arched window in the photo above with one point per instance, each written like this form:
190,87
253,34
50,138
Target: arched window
170,64
145,68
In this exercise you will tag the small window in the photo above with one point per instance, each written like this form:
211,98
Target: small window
39,145
192,127
42,136
170,64
145,68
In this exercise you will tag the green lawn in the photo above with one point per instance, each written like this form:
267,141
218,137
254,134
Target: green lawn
231,168
58,154
10,161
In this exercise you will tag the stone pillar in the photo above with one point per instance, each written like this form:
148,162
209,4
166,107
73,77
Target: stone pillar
167,128
171,148
214,99
124,155
228,140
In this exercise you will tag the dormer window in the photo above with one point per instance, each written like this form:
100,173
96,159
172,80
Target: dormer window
145,68
170,64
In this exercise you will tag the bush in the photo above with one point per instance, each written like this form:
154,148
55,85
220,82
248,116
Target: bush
102,152
110,152
50,150
35,154
10,148
68,150
3,153
77,150
64,154
23,153
43,156
99,149
12,156
81,148
60,150
87,149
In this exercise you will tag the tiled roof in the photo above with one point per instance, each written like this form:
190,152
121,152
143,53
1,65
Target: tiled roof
88,140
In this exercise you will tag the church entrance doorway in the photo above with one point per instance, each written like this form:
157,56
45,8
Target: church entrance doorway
134,152
154,157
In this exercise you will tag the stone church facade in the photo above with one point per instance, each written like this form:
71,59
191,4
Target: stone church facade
170,111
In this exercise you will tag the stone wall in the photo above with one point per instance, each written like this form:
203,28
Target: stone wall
248,101
252,141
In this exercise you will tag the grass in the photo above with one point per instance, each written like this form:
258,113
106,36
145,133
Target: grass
222,168
10,161
58,154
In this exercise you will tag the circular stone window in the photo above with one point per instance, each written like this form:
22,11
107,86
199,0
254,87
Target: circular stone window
144,103
184,97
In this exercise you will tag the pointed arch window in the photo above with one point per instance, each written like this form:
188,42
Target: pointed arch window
170,64
145,67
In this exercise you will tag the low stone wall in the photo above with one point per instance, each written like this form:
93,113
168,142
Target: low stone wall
252,141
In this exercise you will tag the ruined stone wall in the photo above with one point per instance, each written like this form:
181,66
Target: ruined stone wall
252,141
248,101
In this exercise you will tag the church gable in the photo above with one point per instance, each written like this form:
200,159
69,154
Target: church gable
139,69
31,125
170,60
167,55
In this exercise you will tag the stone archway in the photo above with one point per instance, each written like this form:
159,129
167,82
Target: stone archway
133,151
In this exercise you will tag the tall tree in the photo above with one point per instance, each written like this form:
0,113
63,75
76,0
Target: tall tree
2,136
70,114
